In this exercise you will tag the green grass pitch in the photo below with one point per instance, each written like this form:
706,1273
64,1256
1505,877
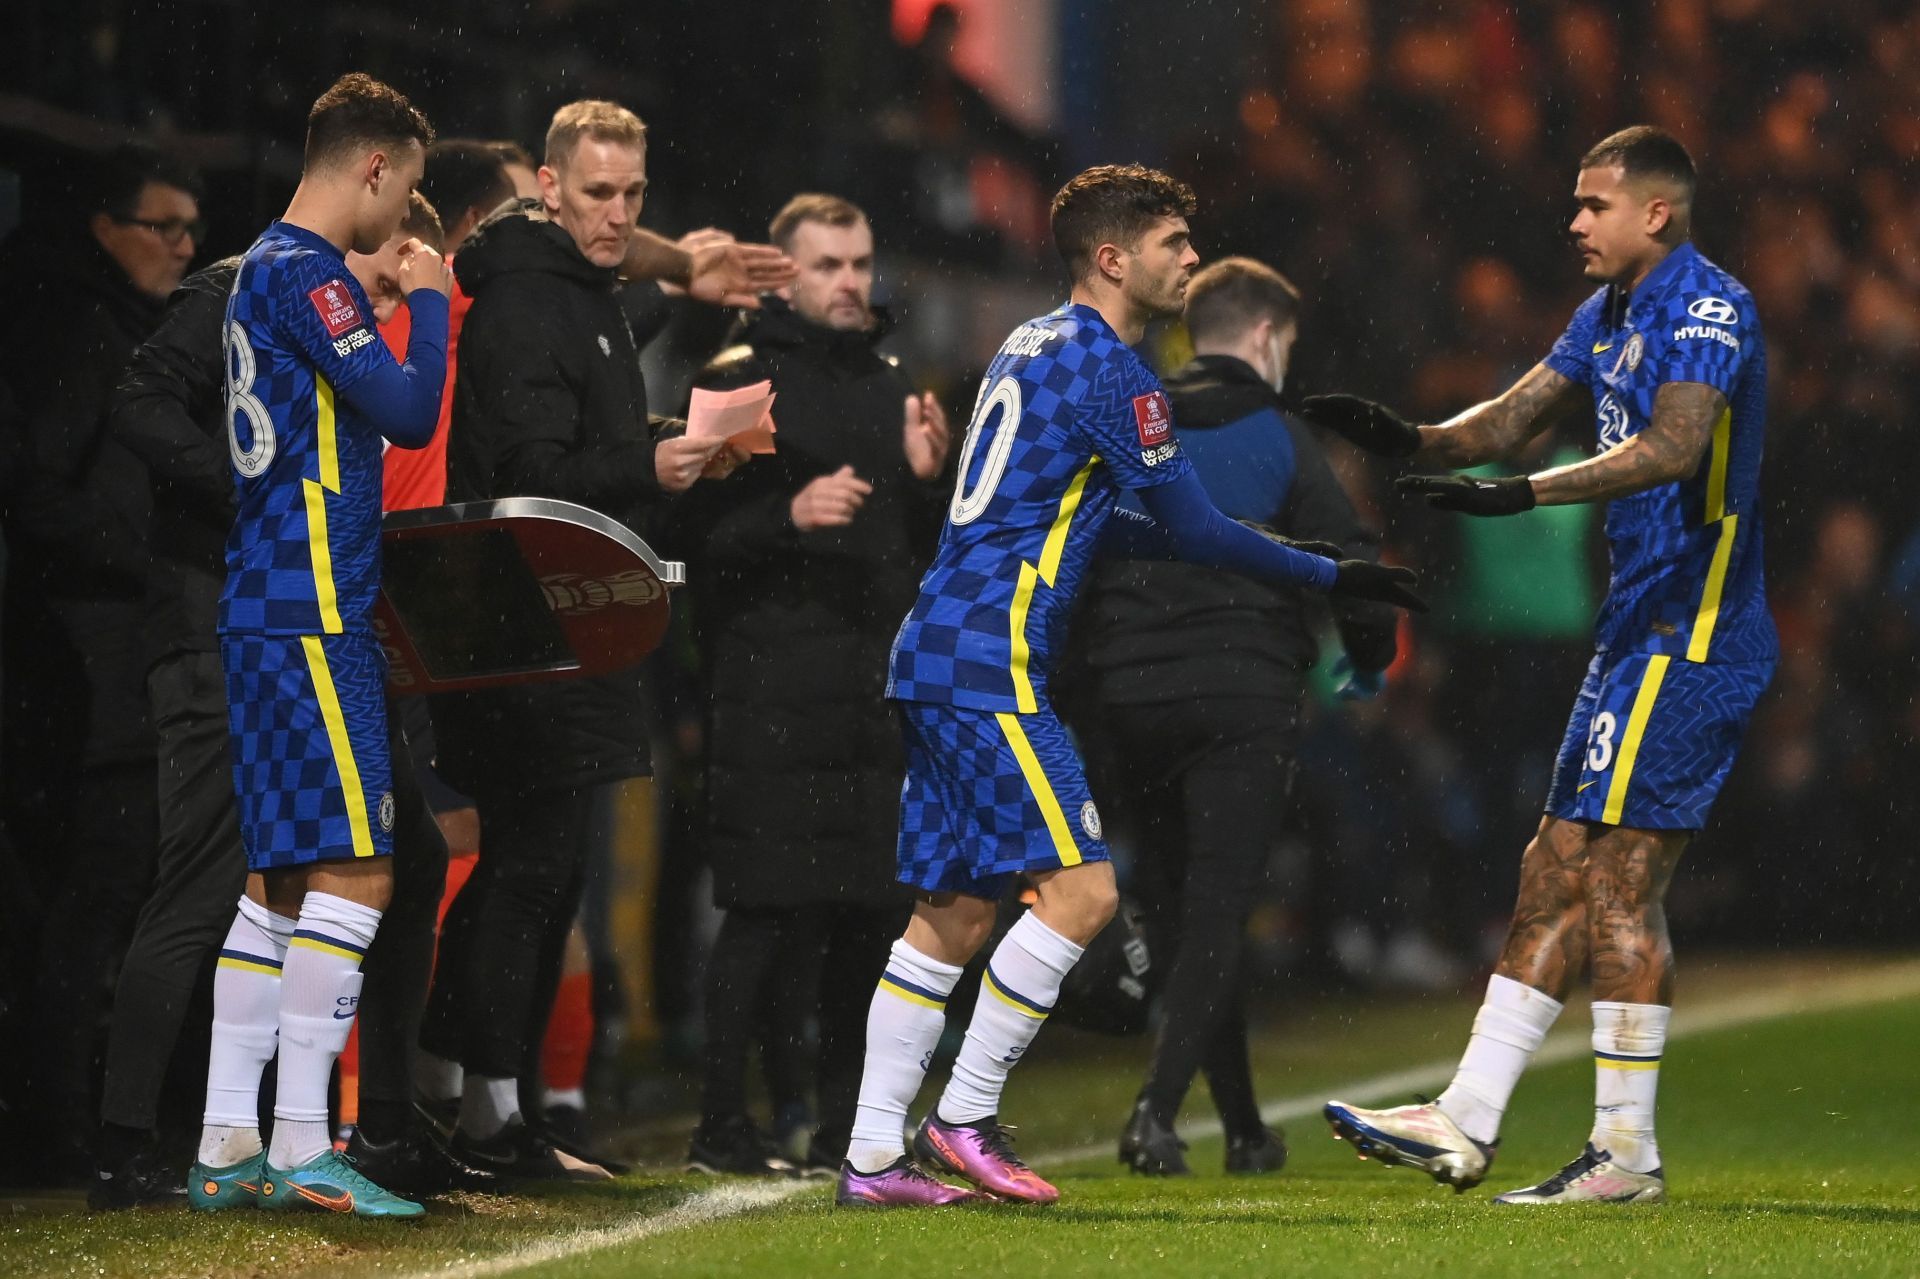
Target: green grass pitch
1790,1144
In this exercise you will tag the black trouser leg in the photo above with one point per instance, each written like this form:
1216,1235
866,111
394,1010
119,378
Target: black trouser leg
200,873
857,947
528,878
110,869
743,955
1229,1079
788,998
1233,800
399,964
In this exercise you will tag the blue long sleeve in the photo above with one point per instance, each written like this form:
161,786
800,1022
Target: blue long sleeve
403,400
1129,535
1200,534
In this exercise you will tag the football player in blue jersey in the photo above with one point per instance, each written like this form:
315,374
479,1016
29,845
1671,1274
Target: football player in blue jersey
311,391
1068,417
1670,351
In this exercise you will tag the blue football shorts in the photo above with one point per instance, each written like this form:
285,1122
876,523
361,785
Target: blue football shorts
988,795
307,718
1652,738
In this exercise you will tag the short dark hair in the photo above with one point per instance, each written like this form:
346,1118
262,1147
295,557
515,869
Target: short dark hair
511,152
811,207
1113,204
422,221
1228,297
359,111
1644,150
464,175
127,170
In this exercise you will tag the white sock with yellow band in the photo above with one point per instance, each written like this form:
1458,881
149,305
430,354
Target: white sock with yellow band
1628,1040
319,997
1018,990
904,1022
246,1030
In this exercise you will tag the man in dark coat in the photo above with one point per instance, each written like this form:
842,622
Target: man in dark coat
549,402
1196,679
809,560
77,757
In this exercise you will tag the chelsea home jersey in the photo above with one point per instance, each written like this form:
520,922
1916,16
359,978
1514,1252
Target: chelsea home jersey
1068,416
303,556
1686,557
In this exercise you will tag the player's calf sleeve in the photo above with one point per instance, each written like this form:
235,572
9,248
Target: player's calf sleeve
1628,1040
319,996
1508,1030
246,1029
1017,992
903,1025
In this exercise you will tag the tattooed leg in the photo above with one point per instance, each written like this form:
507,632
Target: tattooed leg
1627,873
1546,945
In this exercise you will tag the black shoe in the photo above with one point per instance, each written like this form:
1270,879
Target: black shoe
414,1164
821,1163
736,1145
517,1152
443,1115
571,1138
1151,1147
1265,1151
142,1178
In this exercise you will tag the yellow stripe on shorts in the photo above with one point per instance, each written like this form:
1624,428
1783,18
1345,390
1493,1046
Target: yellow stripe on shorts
1042,789
342,744
1636,729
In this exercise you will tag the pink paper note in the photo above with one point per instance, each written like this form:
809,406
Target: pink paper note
743,416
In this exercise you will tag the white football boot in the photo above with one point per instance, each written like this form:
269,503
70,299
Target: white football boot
1421,1136
1593,1178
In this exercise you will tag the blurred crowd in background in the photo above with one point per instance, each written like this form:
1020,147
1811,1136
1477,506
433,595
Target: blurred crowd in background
1410,167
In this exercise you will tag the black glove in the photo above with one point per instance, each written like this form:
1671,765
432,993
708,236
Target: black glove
1471,495
1267,531
1390,584
1374,427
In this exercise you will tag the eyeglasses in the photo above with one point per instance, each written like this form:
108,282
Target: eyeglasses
172,230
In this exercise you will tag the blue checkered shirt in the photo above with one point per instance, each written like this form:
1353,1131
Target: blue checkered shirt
304,554
1068,416
1687,574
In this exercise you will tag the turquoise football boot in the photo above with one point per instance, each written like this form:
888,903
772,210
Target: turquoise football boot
218,1189
329,1182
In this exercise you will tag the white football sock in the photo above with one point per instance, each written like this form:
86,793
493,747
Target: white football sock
246,1028
488,1105
903,1025
436,1078
319,996
1017,992
1627,1042
1506,1033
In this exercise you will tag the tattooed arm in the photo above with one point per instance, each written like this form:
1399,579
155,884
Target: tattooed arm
1500,426
1669,449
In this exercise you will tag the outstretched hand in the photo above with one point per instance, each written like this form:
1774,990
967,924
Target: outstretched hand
1471,495
726,272
1371,425
1387,583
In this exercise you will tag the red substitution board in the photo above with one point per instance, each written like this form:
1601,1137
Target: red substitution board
515,591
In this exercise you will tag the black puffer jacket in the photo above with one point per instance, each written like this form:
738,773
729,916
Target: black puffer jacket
549,401
804,757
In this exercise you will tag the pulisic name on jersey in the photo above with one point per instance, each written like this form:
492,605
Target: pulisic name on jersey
1028,340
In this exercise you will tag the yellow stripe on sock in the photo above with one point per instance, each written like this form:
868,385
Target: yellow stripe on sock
1608,1063
248,966
992,987
1042,789
912,997
342,744
312,943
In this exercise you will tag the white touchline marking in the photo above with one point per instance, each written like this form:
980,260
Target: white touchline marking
1898,981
